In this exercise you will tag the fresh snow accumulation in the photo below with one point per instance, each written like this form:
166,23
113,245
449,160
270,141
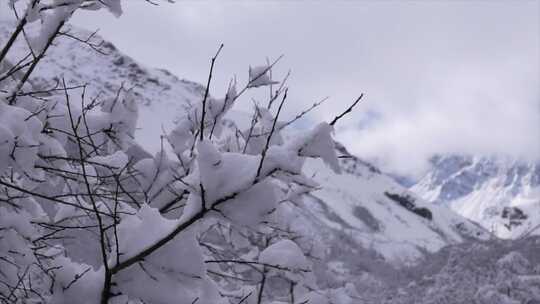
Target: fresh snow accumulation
125,199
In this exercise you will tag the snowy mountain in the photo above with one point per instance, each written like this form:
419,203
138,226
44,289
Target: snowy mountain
501,194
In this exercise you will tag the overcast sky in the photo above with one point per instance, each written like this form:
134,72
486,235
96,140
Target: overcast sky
439,76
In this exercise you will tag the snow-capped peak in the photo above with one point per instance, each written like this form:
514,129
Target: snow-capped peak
500,193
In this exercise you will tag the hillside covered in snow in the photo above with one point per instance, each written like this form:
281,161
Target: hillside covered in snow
105,69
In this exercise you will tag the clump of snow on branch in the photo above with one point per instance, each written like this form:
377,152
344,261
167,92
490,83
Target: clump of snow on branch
260,76
284,253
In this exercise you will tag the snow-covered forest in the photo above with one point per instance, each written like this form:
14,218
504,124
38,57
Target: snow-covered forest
229,207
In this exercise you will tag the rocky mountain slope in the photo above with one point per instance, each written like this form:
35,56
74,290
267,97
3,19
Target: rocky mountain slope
501,194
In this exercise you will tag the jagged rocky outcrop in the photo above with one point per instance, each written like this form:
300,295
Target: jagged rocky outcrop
407,202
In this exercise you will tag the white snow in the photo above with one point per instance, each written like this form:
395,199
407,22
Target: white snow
284,253
260,76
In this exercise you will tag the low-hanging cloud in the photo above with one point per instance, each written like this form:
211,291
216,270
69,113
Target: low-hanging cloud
478,107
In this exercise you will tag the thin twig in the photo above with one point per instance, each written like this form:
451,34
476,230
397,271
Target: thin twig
347,111
267,145
201,134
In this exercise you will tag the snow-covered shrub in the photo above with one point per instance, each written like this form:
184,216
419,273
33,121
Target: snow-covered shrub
83,219
486,272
